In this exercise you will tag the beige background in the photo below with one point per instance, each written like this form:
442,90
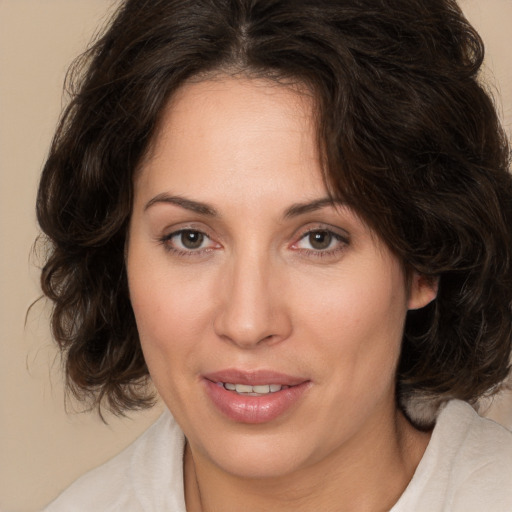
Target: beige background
43,449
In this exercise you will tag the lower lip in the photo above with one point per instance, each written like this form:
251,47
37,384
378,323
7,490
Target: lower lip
254,409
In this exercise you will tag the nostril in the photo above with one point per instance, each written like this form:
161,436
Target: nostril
249,312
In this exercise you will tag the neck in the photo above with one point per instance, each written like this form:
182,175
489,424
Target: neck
368,474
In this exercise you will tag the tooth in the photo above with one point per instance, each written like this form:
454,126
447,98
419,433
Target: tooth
261,389
243,388
253,390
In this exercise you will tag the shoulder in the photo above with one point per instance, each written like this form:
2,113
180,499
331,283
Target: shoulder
467,466
475,440
482,465
150,470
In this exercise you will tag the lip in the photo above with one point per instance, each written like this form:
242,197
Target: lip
254,409
254,377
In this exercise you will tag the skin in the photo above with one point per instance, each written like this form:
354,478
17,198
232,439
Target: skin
259,293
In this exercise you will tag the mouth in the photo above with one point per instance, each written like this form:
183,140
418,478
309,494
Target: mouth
248,390
260,381
254,396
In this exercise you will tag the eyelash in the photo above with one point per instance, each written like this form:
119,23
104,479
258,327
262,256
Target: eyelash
166,242
343,241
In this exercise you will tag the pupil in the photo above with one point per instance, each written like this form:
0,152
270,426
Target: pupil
191,239
320,239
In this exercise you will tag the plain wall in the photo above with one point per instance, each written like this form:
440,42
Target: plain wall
42,448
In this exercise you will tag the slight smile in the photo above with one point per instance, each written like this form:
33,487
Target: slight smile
256,396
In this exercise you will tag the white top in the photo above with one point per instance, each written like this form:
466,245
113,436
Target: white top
467,467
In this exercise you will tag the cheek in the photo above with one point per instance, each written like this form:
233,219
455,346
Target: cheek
353,299
356,320
171,309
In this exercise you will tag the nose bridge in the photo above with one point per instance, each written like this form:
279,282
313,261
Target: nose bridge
249,312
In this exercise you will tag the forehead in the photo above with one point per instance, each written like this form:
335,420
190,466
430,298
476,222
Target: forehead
234,134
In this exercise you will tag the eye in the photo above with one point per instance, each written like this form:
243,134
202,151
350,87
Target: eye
188,241
318,240
321,242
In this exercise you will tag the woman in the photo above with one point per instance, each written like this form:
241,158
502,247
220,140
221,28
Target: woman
293,217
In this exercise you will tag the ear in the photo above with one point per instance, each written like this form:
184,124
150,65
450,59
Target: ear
422,290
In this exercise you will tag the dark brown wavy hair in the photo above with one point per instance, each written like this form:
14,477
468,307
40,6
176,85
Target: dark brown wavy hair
411,141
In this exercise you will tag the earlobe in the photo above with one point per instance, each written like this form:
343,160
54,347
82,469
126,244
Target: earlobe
422,290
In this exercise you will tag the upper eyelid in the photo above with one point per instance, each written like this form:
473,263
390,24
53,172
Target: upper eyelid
341,242
337,231
171,230
177,232
174,232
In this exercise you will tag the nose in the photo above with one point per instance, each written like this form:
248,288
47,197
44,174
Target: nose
252,309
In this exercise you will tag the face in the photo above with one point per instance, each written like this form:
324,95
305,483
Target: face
270,318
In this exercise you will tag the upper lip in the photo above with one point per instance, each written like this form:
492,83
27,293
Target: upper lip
254,377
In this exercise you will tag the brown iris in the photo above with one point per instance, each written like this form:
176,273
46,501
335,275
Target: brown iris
191,239
320,239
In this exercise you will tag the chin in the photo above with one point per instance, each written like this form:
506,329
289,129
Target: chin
258,457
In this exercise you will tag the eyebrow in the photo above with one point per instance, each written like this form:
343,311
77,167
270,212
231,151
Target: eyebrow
187,204
294,210
301,208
